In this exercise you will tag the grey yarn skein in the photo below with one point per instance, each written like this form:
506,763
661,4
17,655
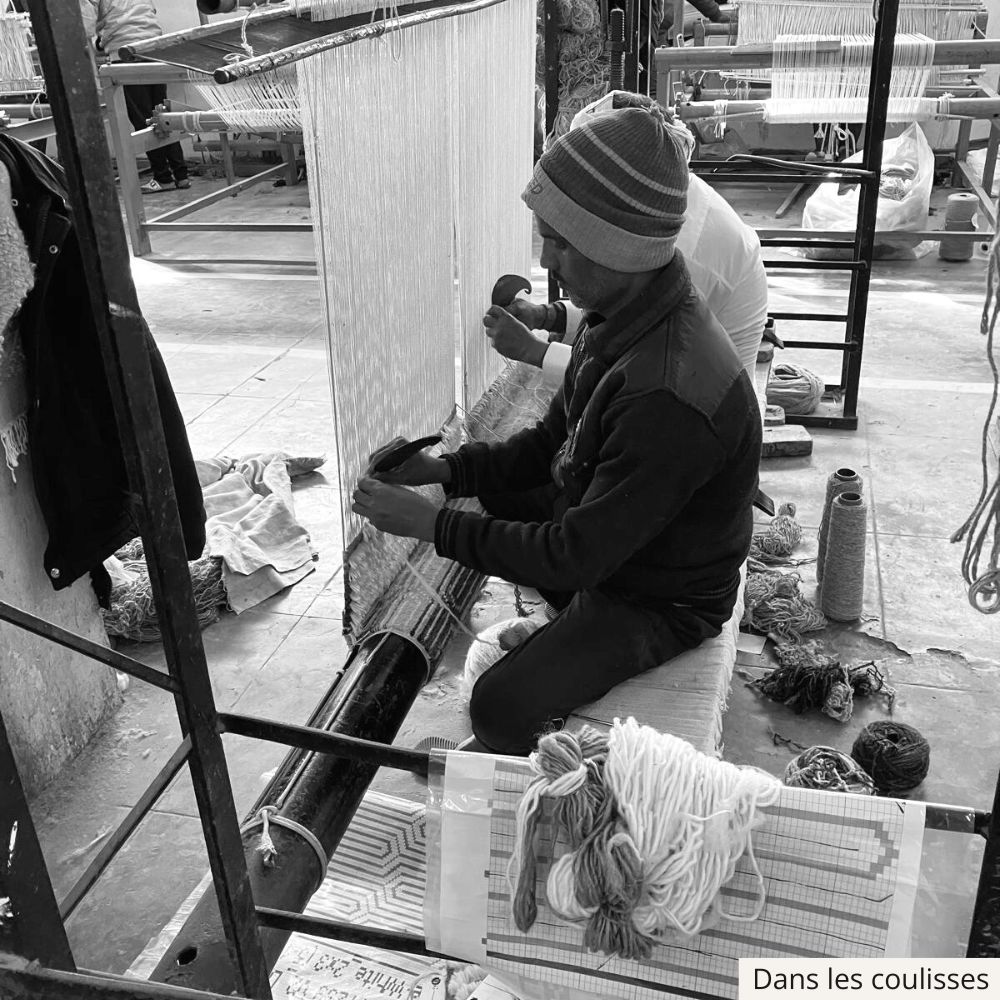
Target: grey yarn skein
842,481
842,592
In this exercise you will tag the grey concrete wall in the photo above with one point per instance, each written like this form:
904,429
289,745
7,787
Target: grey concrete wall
52,699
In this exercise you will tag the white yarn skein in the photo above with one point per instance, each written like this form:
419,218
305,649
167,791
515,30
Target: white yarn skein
491,644
690,817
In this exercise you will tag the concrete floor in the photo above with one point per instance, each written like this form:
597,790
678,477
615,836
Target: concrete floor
245,349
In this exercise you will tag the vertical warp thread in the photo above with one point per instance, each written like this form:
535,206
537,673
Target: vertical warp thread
842,481
842,592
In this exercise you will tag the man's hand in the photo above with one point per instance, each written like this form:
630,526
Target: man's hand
395,510
528,313
418,470
513,339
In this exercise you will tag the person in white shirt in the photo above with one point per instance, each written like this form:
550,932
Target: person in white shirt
722,253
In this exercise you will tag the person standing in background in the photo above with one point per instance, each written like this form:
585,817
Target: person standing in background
115,23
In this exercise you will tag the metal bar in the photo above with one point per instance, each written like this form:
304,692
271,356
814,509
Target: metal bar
30,925
336,930
746,177
617,47
551,13
120,73
35,983
816,265
72,91
210,199
821,345
30,131
87,647
821,420
844,239
811,317
984,935
26,110
231,227
149,138
374,29
321,793
125,829
966,107
319,741
962,52
864,247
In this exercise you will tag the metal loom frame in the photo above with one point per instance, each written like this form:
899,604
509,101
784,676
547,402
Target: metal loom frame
35,958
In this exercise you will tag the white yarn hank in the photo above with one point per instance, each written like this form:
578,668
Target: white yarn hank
19,73
690,818
811,85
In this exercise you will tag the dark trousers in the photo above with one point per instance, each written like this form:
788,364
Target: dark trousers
597,641
167,161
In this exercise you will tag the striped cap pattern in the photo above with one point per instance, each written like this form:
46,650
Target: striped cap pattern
615,188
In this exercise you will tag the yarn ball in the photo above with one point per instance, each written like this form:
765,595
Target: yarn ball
491,644
828,770
895,755
464,980
794,388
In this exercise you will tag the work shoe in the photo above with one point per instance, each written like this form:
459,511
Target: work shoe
183,184
152,187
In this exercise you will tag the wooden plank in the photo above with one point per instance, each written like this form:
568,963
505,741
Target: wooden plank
786,441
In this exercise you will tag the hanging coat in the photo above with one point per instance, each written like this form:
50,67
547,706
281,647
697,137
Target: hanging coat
76,455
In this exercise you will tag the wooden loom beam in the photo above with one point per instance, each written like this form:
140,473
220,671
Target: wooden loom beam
730,57
963,107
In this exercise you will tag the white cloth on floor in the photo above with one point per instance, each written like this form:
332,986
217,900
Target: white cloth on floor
251,525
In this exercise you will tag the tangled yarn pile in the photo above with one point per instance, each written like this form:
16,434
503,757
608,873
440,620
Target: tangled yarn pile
774,605
778,542
828,770
132,614
654,830
795,389
809,678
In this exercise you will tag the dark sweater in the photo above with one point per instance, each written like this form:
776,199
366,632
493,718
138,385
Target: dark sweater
653,442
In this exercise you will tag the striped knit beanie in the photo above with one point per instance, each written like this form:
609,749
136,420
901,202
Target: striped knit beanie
615,188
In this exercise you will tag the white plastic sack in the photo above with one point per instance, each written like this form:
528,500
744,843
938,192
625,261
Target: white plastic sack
904,199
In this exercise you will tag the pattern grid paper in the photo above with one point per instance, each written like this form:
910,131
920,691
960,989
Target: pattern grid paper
840,874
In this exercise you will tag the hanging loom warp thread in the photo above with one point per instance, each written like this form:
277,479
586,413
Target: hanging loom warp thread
895,755
829,770
654,830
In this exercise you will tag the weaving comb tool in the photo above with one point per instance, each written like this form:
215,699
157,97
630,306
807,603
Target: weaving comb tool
507,287
394,454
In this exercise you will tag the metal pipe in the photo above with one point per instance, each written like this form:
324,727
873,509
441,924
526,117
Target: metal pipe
725,57
318,791
960,107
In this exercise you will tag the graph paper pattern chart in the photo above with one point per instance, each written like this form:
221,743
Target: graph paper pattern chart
840,877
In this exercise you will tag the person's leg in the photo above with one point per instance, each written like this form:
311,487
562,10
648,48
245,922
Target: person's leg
596,642
173,154
140,99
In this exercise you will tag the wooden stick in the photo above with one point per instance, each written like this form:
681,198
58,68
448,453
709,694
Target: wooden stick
295,53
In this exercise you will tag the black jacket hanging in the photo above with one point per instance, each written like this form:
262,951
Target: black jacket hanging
76,455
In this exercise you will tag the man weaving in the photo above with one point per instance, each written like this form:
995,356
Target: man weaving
628,506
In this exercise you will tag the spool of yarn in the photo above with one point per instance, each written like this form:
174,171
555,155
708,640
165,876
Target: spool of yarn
959,217
842,481
894,754
842,592
828,770
794,388
490,645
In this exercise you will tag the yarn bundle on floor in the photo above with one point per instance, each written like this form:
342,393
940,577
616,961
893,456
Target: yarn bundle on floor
828,770
774,604
780,539
654,830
